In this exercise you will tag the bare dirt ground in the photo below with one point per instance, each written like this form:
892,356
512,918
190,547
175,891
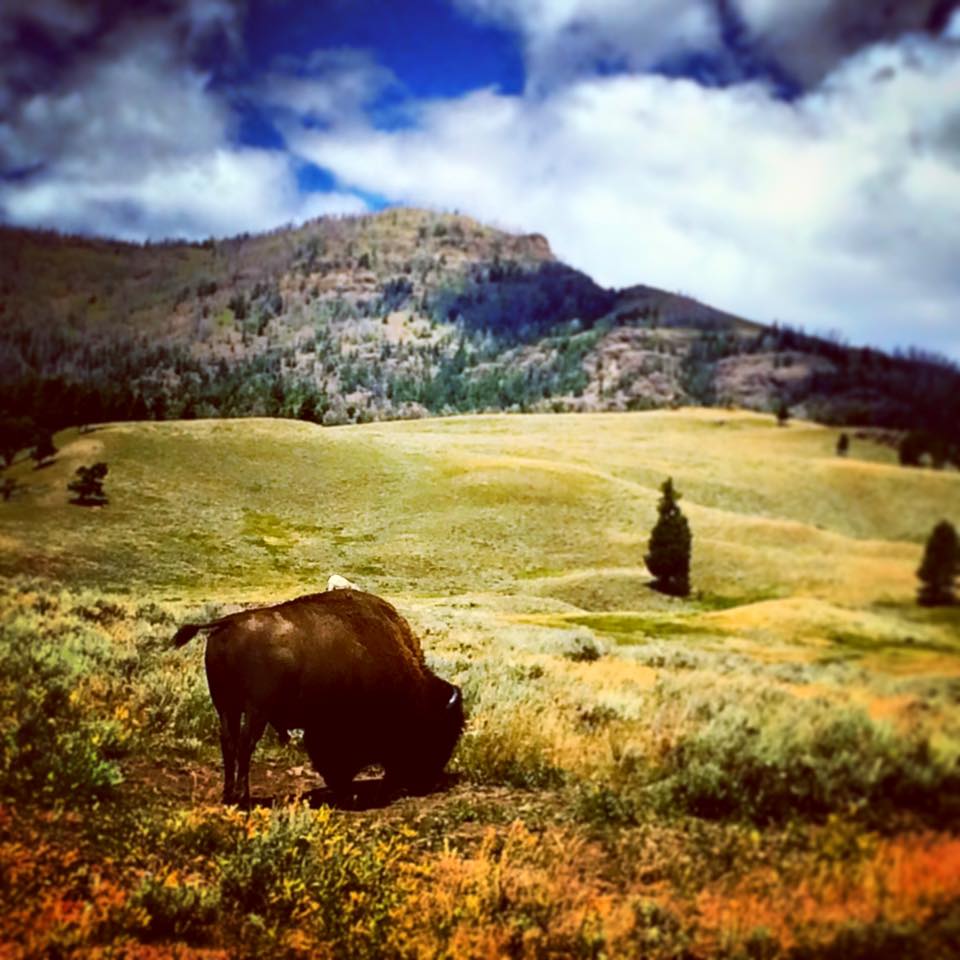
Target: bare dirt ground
276,781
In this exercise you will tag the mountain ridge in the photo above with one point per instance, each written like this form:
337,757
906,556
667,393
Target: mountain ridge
403,313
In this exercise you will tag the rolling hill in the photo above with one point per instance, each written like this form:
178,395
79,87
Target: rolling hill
545,508
654,776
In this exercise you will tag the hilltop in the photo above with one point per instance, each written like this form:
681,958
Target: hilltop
401,314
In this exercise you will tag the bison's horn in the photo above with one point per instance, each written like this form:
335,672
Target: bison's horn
454,698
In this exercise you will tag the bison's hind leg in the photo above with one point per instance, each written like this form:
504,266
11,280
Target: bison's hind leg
251,730
229,744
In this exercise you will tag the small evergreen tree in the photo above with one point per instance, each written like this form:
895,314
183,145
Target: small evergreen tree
912,447
668,558
783,413
88,486
941,560
43,448
238,304
15,434
843,445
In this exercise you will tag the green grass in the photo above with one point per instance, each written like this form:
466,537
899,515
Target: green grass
799,698
634,627
555,507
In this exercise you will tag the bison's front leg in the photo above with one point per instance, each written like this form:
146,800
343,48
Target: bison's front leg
330,762
251,730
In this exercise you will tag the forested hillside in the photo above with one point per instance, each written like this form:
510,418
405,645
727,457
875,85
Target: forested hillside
402,314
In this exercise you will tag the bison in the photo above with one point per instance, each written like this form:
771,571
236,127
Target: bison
343,666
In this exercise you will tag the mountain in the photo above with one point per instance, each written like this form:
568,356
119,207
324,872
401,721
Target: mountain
400,314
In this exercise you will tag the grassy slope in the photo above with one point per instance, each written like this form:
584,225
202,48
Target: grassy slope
538,506
513,543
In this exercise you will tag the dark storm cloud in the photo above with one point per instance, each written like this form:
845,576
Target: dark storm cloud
42,41
128,132
811,37
734,39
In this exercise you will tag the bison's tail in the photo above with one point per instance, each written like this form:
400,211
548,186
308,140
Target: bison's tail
187,632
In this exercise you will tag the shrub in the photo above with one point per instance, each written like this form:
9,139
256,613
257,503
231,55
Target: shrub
937,936
176,702
298,866
100,611
583,648
176,911
15,434
806,759
505,750
51,744
238,304
913,446
783,412
505,742
598,804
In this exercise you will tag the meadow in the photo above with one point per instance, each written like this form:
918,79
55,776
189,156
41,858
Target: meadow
767,768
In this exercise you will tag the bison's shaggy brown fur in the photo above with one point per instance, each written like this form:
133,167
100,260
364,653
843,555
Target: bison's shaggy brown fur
343,666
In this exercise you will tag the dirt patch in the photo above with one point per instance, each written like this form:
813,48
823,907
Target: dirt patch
199,782
452,810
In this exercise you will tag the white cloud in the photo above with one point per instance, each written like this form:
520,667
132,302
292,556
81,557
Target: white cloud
566,38
220,192
841,210
135,144
328,86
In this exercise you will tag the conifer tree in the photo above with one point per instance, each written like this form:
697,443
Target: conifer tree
783,412
912,448
15,434
88,486
668,558
941,560
44,448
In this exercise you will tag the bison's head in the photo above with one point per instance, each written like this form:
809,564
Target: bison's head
442,726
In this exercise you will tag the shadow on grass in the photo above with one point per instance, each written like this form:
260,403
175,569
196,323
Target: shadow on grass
367,793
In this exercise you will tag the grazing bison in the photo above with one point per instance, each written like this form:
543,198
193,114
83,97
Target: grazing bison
346,668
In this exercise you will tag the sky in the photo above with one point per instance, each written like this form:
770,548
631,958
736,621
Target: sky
794,161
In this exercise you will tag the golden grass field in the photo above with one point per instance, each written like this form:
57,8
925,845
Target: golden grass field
761,769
